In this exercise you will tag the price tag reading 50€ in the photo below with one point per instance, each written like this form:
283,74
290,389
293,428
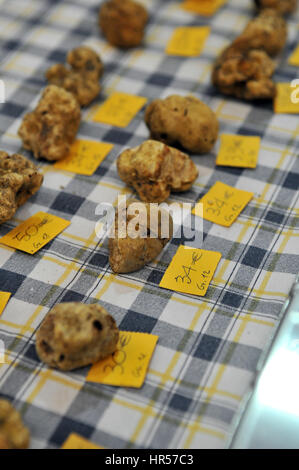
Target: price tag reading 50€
223,204
35,233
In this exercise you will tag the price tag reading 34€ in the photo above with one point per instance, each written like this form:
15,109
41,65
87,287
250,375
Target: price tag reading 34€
127,367
119,109
84,157
188,41
34,233
191,270
238,150
286,100
222,204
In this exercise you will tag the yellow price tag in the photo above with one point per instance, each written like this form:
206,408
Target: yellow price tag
203,7
294,58
286,100
119,109
187,41
84,157
222,204
74,441
191,270
127,367
33,234
238,150
4,298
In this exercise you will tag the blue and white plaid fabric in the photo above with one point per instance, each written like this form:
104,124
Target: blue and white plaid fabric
208,347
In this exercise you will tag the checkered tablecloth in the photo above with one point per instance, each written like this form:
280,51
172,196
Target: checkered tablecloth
208,347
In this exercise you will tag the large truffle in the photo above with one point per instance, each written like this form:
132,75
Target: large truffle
245,74
81,77
51,128
140,232
154,170
184,121
74,335
122,22
19,180
13,433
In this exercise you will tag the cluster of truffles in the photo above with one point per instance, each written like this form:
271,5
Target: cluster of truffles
245,68
122,22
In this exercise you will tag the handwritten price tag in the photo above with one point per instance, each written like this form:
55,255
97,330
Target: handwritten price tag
223,204
294,58
191,270
286,100
188,41
203,7
127,367
239,151
35,233
4,298
84,157
74,441
119,109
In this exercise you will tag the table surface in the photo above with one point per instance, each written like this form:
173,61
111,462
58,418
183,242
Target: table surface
208,347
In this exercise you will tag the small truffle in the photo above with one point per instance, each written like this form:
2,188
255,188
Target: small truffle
154,170
184,121
267,31
81,77
122,22
13,433
147,228
282,6
246,75
51,128
75,335
19,180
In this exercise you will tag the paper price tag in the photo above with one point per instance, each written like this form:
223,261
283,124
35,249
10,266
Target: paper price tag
286,100
127,367
33,234
294,58
4,298
188,41
191,270
239,151
119,109
223,204
203,7
84,157
74,441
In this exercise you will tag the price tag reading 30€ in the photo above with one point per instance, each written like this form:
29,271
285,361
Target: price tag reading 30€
191,270
127,367
222,204
35,233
